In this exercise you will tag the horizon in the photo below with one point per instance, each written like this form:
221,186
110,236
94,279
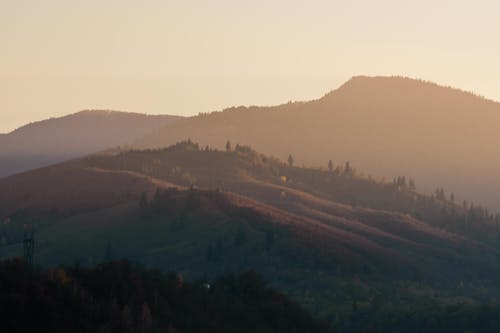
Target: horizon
146,58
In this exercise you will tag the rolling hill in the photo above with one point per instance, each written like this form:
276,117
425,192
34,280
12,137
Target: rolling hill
438,135
54,140
326,238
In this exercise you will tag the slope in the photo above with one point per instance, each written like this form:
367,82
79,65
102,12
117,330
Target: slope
57,139
438,135
384,222
217,211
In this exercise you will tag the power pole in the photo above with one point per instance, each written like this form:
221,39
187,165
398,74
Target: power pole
29,245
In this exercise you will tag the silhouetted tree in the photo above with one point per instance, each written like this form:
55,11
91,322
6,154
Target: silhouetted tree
440,195
330,165
228,146
290,160
348,170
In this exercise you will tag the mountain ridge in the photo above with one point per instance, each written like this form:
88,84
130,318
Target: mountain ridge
57,139
79,114
438,135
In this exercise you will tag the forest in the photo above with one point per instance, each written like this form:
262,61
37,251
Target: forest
125,297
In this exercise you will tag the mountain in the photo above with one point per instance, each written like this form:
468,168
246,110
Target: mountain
335,241
57,139
438,135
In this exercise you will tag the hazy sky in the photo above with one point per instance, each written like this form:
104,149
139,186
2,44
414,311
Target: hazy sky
186,56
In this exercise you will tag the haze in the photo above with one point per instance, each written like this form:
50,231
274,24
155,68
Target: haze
185,57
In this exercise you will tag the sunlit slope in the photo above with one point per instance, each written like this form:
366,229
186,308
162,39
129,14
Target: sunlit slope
93,204
438,135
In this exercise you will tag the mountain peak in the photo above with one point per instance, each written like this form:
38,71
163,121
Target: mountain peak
102,112
401,88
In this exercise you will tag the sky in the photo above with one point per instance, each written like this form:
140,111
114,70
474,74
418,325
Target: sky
188,56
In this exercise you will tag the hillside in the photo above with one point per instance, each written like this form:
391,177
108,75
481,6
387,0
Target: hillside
438,135
370,235
58,139
325,238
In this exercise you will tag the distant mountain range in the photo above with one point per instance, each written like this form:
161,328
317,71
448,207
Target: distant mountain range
58,139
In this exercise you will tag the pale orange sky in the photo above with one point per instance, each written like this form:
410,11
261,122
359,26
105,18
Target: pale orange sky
186,56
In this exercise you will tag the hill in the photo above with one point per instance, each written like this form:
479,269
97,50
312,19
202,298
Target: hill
58,139
328,239
438,135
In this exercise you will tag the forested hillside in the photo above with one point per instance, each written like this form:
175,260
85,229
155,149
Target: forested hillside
124,297
351,249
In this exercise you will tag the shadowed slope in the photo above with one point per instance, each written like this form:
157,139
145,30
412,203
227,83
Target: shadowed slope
57,139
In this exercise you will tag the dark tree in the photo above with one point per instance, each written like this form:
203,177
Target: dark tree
348,170
228,146
290,160
143,203
330,165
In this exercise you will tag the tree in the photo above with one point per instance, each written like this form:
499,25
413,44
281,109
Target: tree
412,185
440,195
330,165
403,182
290,160
348,170
143,203
228,146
